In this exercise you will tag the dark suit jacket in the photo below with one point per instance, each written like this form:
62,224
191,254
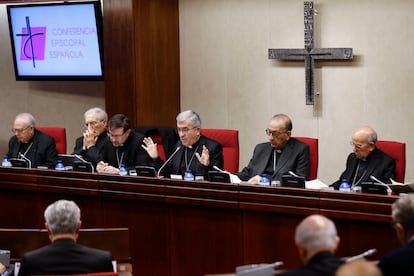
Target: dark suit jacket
294,157
93,154
398,262
131,152
379,165
176,164
42,152
322,264
65,256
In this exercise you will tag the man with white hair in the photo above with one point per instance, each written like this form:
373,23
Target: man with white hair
316,239
399,262
91,144
30,143
64,255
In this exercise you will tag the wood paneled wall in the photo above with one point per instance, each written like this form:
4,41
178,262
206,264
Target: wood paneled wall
142,70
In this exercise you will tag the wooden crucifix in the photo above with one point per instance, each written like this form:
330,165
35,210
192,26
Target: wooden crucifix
310,54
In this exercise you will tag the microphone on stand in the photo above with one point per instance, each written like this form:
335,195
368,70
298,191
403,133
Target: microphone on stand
367,253
21,156
293,174
168,160
377,180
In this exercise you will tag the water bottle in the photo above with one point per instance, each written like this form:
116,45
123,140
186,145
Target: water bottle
59,166
264,180
6,162
344,187
122,170
188,175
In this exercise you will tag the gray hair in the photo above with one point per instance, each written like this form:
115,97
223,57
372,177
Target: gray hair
101,114
316,231
285,118
189,114
27,118
372,136
62,217
402,211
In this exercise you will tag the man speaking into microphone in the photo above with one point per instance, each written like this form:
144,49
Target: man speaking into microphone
194,152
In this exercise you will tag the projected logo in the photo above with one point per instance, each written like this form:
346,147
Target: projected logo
32,45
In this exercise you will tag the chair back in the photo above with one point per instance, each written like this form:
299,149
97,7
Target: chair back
59,134
229,140
397,151
313,155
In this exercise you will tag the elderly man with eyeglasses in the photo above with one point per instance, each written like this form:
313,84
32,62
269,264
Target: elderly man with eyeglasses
28,143
281,154
90,144
366,160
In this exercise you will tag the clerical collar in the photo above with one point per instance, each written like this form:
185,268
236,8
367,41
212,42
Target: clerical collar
195,144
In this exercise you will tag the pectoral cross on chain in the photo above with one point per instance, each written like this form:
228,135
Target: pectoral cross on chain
310,54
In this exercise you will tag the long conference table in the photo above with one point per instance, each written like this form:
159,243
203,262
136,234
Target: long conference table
179,228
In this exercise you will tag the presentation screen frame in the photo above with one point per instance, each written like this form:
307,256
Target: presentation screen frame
57,41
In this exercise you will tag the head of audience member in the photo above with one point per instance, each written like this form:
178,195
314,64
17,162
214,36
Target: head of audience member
188,127
358,268
62,220
316,233
363,141
402,213
23,127
118,129
96,121
279,131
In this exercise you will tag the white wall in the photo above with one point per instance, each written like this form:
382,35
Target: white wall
227,77
52,103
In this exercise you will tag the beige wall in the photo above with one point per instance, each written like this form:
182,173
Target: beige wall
227,77
52,103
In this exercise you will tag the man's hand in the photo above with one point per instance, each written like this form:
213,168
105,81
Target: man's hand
89,140
103,167
150,147
205,156
254,180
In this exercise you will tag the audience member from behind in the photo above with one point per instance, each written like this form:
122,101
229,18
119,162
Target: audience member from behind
280,155
124,146
64,255
400,261
195,152
366,160
90,145
30,143
316,240
358,268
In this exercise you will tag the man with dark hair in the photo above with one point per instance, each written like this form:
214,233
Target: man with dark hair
366,160
64,255
124,146
31,144
280,155
400,261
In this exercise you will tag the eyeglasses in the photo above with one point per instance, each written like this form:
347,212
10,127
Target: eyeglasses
92,123
110,135
274,133
357,146
19,130
185,130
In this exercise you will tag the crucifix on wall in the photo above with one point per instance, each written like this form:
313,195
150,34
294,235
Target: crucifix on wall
310,54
